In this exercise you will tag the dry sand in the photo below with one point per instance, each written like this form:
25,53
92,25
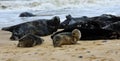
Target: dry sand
99,50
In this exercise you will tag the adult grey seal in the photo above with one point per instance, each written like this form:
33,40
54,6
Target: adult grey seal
40,27
26,14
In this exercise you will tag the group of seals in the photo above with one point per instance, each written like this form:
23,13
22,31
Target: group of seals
66,38
26,32
105,26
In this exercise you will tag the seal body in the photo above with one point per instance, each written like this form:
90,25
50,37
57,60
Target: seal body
41,27
30,40
102,20
66,38
26,14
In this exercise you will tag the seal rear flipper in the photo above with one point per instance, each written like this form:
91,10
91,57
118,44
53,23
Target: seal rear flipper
10,28
5,28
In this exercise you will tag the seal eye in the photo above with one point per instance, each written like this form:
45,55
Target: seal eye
73,33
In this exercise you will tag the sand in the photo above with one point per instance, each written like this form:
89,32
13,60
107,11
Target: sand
99,50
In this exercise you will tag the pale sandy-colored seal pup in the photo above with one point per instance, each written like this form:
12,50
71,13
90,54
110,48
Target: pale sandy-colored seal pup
66,38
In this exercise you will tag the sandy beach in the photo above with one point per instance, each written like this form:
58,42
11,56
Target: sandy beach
99,50
90,50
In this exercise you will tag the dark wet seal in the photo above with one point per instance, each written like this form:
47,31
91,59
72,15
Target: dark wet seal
30,40
26,14
40,27
102,20
71,20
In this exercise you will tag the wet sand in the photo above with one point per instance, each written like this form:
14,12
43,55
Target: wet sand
99,50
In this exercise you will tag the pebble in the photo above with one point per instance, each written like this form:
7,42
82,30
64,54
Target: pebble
80,56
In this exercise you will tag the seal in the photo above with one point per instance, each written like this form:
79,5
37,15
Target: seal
66,38
26,14
102,20
71,20
30,40
41,27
